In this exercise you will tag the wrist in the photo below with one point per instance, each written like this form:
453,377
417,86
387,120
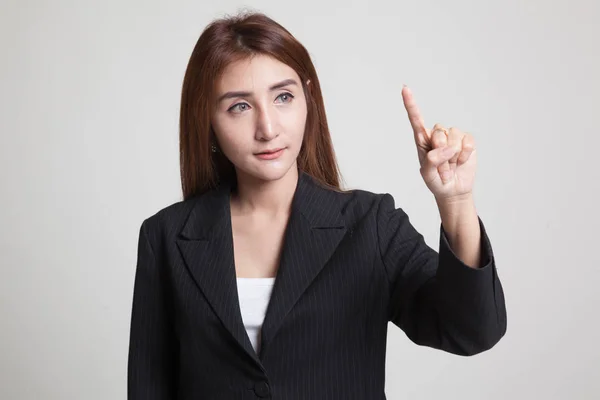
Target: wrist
455,202
457,212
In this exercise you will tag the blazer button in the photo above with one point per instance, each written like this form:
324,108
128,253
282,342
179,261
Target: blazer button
262,389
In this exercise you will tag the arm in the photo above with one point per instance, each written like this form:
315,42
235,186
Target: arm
435,298
152,346
460,223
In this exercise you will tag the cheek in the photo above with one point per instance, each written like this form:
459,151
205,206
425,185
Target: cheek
234,144
231,135
300,125
295,123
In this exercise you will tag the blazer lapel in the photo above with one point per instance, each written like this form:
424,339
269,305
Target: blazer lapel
314,231
206,244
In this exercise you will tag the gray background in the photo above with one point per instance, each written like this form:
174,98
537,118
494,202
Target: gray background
89,148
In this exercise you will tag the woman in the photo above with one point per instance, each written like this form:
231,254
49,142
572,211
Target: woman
268,280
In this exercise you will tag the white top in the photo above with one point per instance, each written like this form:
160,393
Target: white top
254,295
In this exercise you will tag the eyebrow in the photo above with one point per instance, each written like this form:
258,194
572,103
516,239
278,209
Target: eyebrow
279,85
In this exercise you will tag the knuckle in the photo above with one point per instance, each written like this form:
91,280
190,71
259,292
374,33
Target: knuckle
431,158
439,139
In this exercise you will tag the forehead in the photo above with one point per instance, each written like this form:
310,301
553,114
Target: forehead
258,72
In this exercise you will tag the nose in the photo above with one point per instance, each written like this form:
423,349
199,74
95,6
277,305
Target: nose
267,128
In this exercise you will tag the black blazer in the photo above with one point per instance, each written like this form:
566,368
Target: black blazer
351,262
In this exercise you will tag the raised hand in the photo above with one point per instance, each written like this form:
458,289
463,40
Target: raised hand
447,156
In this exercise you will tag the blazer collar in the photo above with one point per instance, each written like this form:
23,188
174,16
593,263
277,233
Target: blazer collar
315,229
319,205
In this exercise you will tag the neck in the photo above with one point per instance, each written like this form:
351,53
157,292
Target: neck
268,197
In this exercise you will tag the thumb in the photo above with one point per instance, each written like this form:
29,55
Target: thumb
440,155
434,159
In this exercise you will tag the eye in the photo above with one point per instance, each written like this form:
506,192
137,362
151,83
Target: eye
239,107
286,97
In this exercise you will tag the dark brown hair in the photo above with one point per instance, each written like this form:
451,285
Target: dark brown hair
222,42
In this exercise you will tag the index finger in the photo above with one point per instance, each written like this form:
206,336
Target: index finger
414,115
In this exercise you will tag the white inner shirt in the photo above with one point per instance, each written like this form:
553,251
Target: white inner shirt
254,295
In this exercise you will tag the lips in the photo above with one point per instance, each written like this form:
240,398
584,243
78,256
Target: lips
270,154
273,151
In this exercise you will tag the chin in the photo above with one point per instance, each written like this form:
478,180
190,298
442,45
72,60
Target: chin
272,172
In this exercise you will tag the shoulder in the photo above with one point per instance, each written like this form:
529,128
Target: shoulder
169,221
171,212
358,204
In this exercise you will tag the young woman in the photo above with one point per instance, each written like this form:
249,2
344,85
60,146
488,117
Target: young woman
268,280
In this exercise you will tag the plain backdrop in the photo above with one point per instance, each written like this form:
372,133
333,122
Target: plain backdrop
89,148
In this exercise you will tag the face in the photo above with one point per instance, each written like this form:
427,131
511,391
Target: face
260,116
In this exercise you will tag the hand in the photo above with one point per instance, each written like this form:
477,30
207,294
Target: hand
447,156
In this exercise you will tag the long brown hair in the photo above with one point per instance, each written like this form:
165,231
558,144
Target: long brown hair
222,42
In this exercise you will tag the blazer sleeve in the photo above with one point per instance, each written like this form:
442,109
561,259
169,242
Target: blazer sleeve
151,364
436,299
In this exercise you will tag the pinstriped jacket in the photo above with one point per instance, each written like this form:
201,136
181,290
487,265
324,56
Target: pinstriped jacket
351,263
